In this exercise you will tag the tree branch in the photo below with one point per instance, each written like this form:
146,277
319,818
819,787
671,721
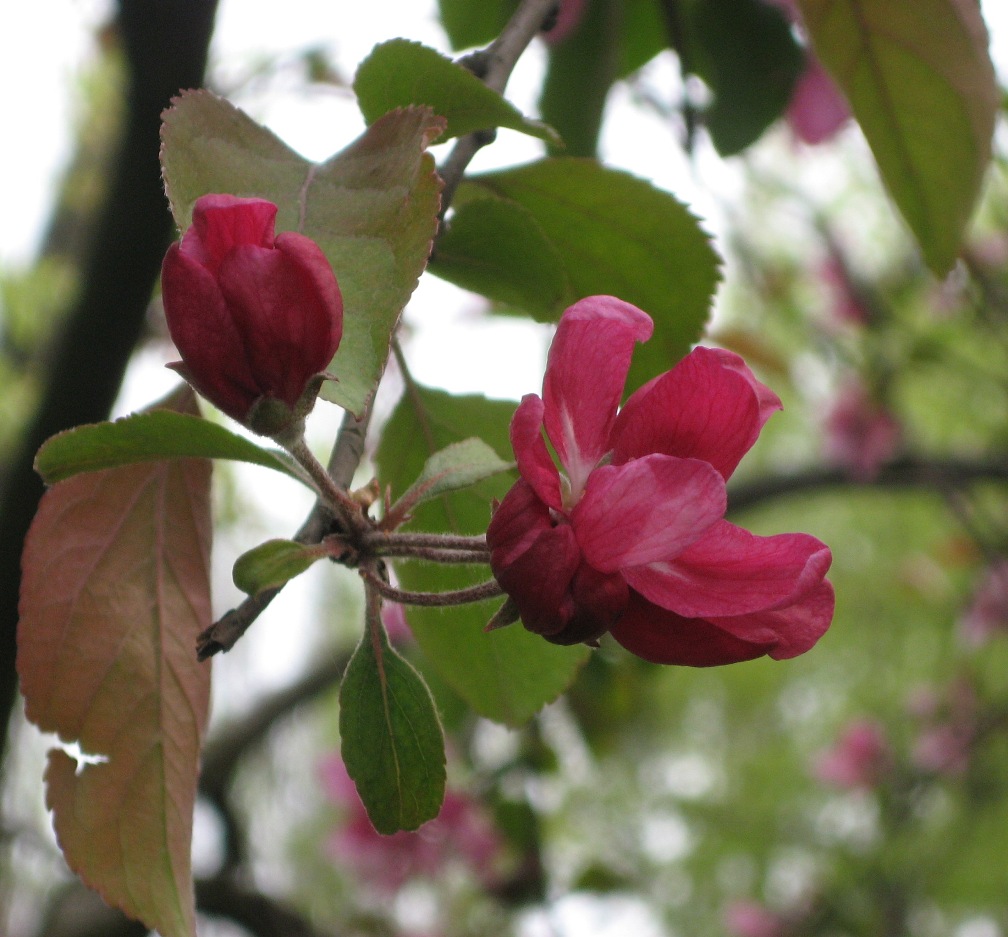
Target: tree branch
941,474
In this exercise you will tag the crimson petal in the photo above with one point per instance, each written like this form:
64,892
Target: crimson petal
730,571
585,373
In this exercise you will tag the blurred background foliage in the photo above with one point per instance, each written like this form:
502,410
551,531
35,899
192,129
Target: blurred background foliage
859,790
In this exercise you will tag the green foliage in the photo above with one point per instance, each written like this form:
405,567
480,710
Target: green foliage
372,208
400,73
506,675
611,233
474,24
391,738
273,563
746,54
148,436
921,84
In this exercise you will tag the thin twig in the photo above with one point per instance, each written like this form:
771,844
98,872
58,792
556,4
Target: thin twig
478,593
403,542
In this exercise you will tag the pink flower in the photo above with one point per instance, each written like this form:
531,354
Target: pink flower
461,831
861,434
631,537
568,18
752,919
945,742
255,317
818,110
987,614
861,757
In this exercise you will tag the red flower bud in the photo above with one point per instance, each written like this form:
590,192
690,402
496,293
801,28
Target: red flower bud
255,317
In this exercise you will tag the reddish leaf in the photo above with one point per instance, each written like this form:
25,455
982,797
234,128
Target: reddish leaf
115,589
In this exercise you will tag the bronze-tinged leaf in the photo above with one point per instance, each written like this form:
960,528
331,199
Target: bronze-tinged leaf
115,589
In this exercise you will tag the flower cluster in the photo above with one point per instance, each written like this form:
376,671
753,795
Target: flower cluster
630,538
256,316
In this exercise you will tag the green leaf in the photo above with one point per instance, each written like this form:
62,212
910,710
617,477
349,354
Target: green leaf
496,248
746,53
143,437
372,208
580,73
456,466
399,73
509,674
273,563
920,82
474,24
391,738
115,590
612,233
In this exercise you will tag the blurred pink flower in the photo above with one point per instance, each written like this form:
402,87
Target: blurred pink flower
945,741
569,16
461,832
860,758
747,918
987,614
847,307
396,627
861,434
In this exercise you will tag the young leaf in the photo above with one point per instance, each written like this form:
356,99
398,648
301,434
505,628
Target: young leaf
391,738
456,466
399,73
474,24
273,563
613,234
372,208
114,592
144,437
920,82
509,674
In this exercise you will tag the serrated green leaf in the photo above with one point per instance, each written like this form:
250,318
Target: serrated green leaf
458,465
509,674
746,53
494,247
271,564
399,73
372,208
144,437
391,738
920,82
614,234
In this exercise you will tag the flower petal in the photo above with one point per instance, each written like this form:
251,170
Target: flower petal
663,637
532,560
730,571
202,329
587,368
709,406
326,322
222,222
534,461
646,510
792,630
284,323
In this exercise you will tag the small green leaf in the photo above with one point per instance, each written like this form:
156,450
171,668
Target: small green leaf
273,563
144,437
456,466
372,208
399,73
391,738
746,53
920,82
